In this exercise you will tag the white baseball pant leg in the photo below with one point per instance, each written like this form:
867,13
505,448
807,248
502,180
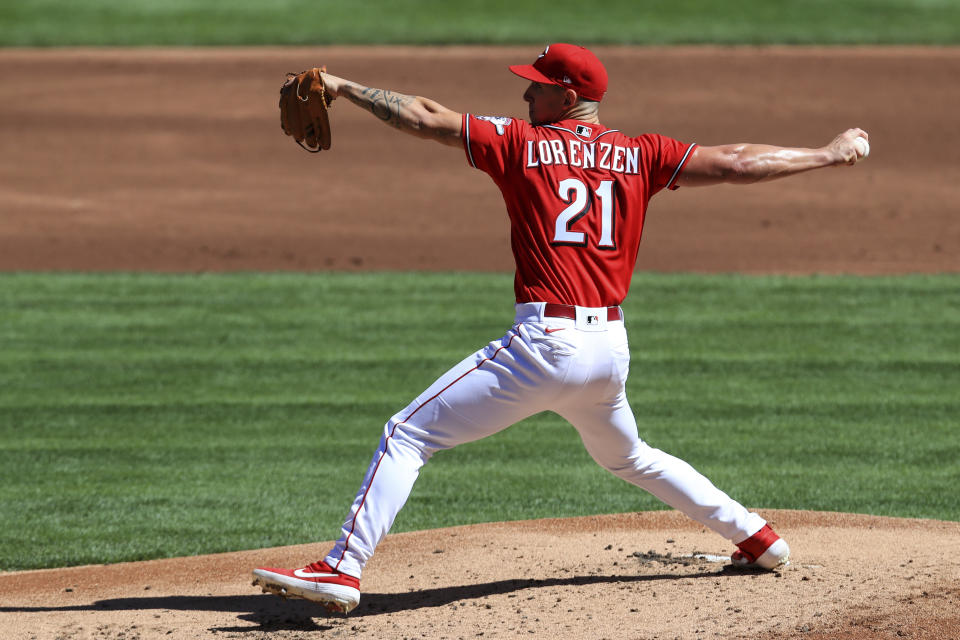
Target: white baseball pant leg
540,364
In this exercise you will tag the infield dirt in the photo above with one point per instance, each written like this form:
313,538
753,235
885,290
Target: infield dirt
173,160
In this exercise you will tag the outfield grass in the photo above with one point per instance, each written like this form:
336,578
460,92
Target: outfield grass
324,22
160,415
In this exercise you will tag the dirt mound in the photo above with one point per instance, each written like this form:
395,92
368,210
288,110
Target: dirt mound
619,576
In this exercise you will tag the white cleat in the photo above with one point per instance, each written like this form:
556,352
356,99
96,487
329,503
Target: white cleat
318,582
763,550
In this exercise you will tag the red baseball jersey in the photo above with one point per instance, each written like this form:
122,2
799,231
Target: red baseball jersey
576,194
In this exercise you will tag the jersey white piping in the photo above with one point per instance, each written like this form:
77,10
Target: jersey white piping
551,126
467,135
683,161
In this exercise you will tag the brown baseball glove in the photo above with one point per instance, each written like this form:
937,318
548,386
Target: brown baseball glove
304,105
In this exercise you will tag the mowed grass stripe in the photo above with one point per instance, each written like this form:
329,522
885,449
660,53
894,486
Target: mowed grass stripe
159,415
327,22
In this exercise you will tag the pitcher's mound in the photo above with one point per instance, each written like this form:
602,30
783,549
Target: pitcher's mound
641,575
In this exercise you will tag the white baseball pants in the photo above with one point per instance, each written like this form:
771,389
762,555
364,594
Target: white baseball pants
576,368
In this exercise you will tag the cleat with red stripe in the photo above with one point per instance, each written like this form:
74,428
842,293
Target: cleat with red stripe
318,582
763,550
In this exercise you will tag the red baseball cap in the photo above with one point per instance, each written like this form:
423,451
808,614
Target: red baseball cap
567,65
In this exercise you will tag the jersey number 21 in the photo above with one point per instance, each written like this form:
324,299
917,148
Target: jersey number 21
577,195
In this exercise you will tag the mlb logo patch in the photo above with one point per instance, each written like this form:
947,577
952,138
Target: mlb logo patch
591,318
584,131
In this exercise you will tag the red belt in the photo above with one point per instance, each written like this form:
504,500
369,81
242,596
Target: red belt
554,310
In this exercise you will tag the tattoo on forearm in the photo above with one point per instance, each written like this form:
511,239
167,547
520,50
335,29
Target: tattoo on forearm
386,105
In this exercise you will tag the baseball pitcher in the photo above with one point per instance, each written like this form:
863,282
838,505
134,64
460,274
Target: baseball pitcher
576,194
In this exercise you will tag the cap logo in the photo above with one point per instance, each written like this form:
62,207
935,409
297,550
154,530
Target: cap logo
567,66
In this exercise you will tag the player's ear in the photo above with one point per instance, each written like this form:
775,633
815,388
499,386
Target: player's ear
569,98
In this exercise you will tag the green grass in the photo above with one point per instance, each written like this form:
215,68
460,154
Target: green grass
324,22
160,415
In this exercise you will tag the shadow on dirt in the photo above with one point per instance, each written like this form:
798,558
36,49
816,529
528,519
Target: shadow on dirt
271,613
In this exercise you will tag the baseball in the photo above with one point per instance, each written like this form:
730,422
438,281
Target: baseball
863,147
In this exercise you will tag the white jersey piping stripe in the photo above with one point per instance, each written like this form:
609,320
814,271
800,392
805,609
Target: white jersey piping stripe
683,161
467,137
551,126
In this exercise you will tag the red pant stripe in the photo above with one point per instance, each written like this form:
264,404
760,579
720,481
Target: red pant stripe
346,543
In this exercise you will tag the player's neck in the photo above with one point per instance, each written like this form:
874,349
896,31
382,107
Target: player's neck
584,112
